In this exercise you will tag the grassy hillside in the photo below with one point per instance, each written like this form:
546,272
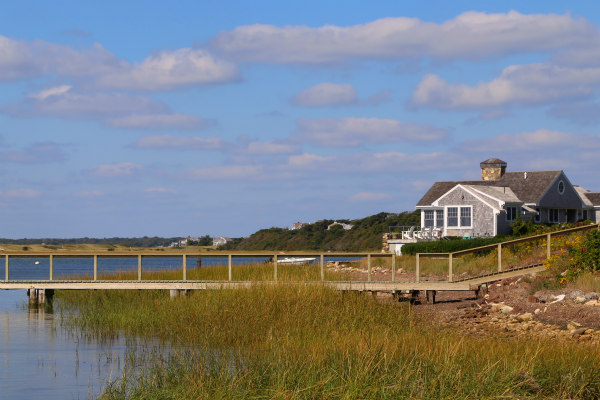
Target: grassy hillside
365,235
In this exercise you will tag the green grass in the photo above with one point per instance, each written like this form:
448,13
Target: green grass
296,342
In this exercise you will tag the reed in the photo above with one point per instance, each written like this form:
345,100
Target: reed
306,342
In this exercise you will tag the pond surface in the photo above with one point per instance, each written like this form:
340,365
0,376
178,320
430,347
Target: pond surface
42,358
39,358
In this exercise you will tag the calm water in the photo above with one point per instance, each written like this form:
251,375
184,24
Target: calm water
40,358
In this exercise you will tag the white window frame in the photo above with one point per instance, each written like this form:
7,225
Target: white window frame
439,222
563,186
458,226
425,219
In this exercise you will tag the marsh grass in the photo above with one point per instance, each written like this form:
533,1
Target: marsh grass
301,342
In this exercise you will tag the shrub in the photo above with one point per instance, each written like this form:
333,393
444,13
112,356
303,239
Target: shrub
449,246
587,256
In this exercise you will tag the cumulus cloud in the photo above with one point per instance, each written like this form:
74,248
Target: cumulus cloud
168,70
369,197
351,132
163,70
518,84
326,94
471,35
264,148
43,152
228,172
529,141
21,60
19,194
159,190
115,170
64,102
171,141
159,121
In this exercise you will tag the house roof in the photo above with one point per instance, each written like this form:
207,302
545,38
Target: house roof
583,194
527,186
594,198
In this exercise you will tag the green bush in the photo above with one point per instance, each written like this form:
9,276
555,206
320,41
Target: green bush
449,246
587,257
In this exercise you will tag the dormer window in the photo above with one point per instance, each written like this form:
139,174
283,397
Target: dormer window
511,213
561,187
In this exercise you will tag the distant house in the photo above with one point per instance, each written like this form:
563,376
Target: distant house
488,207
298,225
346,227
221,240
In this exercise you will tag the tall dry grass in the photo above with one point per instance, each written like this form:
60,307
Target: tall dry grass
300,342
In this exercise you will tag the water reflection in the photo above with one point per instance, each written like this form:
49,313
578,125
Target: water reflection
42,358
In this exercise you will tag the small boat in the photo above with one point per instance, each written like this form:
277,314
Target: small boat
296,260
36,263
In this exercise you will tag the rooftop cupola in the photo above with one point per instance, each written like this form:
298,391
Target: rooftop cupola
492,169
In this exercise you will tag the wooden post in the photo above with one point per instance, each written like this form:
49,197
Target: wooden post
322,262
417,270
369,267
51,266
393,267
139,267
548,245
95,267
450,267
499,257
184,267
275,267
6,267
229,268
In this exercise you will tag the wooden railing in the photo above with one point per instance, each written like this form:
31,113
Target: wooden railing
498,247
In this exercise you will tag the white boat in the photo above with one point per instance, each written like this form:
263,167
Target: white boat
295,260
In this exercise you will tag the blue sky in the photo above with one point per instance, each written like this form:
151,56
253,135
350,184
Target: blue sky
221,118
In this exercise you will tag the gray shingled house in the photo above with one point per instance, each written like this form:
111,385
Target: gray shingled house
488,207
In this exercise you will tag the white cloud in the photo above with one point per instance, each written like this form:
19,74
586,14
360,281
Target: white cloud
170,141
167,70
518,84
158,121
115,170
350,132
163,70
232,172
159,190
36,153
326,94
17,194
531,141
471,35
265,148
63,102
23,60
369,197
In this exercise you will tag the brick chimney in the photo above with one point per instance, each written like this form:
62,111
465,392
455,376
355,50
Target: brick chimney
492,169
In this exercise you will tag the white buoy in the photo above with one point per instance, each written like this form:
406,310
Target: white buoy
37,262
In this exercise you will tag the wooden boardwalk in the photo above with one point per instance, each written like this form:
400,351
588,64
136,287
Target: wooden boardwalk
369,285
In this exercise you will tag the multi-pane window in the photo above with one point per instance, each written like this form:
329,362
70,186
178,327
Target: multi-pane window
511,213
553,215
465,216
428,218
452,216
439,218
